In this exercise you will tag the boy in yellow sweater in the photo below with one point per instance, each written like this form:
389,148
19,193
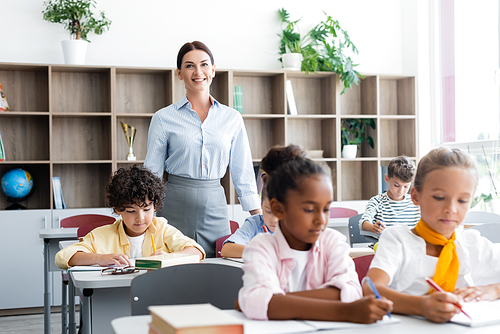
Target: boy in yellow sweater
135,194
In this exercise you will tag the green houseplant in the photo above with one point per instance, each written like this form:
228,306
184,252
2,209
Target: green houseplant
322,48
78,18
354,133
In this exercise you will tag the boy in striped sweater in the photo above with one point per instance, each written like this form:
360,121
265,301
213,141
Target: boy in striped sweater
395,205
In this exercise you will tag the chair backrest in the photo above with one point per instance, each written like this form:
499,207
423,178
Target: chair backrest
354,236
234,226
481,217
219,243
195,283
86,223
490,231
362,265
342,212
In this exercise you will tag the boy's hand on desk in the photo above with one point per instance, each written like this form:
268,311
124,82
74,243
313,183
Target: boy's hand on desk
368,310
378,227
114,259
440,306
158,252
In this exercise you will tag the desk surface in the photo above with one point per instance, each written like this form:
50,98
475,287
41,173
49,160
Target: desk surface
408,325
94,279
338,222
55,233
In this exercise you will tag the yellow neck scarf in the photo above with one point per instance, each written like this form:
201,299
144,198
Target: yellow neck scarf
447,267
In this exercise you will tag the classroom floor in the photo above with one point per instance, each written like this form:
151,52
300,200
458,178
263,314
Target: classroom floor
29,324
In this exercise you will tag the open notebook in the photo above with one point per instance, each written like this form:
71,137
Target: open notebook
482,313
300,326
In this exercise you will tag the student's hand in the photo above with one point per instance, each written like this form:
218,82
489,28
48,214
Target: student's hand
368,310
120,260
439,306
158,252
476,293
378,227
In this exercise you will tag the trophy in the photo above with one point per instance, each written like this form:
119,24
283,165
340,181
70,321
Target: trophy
129,132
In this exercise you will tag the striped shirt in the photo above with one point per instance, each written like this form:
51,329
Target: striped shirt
180,144
382,208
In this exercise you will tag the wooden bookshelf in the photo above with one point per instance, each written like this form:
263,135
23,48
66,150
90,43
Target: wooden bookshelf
65,121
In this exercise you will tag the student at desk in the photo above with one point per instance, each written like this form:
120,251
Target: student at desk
303,270
395,205
466,266
135,193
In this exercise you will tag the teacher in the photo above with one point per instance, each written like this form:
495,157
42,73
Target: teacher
194,141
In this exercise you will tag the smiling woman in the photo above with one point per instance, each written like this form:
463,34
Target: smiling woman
194,141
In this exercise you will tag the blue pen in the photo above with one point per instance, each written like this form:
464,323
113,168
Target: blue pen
373,289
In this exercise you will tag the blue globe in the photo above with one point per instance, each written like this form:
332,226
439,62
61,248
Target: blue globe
17,183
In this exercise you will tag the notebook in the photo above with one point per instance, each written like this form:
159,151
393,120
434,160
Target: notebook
483,313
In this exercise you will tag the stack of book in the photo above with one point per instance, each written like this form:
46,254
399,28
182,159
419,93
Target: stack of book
238,98
192,319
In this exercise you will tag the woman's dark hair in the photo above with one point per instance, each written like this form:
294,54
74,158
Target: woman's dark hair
286,166
134,185
191,46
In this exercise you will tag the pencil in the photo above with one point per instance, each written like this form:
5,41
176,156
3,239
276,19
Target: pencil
153,242
438,288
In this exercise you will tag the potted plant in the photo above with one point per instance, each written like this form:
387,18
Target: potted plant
322,48
78,19
290,50
354,133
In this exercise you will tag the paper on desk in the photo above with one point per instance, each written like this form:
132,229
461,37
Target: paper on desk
321,325
483,313
271,326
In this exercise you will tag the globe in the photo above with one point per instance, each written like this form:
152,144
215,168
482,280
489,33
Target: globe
17,183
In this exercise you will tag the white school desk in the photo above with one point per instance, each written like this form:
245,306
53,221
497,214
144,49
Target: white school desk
107,297
51,238
408,325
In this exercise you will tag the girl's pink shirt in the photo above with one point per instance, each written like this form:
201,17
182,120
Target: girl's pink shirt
268,262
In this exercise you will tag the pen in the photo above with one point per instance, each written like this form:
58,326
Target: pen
438,288
373,289
153,242
264,227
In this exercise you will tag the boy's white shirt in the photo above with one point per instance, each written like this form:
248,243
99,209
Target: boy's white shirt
136,246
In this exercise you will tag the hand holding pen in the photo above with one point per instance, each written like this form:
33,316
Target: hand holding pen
378,226
373,289
438,288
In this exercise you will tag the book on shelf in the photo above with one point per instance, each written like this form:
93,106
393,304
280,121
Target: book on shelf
58,195
193,319
292,107
4,106
165,260
384,186
238,98
2,150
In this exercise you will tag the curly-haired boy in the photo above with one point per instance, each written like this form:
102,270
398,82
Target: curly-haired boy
134,193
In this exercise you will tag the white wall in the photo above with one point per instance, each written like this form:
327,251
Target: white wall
241,34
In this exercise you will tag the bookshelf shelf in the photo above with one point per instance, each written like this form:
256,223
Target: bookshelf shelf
65,122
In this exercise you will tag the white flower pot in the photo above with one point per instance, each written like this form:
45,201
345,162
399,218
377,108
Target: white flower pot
292,61
495,205
349,151
74,51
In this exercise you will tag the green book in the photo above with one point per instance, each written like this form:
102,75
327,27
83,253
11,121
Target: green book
2,151
238,98
165,260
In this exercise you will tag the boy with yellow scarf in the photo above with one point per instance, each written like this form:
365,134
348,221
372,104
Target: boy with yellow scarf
466,266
